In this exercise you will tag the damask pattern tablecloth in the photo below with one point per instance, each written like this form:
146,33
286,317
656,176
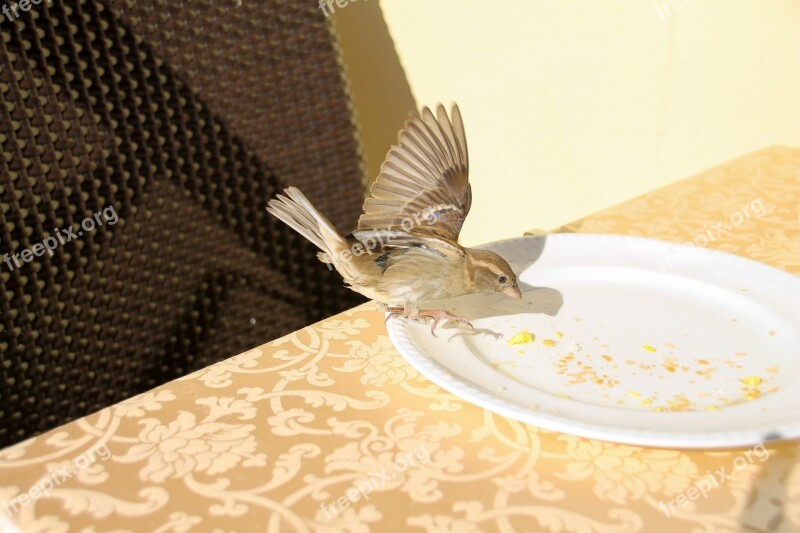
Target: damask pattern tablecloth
329,429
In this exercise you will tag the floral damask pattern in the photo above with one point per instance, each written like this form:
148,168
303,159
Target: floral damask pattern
329,429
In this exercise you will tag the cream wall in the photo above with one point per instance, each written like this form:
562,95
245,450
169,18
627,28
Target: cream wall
572,106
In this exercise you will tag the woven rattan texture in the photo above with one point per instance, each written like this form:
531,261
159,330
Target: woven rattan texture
183,118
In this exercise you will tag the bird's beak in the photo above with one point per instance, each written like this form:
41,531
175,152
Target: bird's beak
513,292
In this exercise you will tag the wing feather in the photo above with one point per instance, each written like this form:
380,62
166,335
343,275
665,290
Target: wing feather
424,179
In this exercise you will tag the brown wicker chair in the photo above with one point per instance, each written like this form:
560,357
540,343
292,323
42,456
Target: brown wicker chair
180,118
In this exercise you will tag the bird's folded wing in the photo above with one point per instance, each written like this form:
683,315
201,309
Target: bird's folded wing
424,182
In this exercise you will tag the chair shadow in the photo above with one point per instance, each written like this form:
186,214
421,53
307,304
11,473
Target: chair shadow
380,91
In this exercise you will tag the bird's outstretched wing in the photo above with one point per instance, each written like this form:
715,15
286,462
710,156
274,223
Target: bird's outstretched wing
423,185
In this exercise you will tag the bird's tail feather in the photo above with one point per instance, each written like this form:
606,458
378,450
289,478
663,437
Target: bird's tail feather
300,214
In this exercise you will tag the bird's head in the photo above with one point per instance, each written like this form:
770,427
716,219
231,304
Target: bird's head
489,272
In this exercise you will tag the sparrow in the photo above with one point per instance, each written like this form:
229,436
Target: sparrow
405,249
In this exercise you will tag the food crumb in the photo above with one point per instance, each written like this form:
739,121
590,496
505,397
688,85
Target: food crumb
634,394
522,337
649,348
680,403
549,343
772,333
559,334
670,364
751,394
751,381
712,408
608,358
646,401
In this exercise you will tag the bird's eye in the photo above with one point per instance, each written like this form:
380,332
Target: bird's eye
502,279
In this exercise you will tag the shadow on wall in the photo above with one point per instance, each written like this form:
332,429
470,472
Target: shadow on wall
381,93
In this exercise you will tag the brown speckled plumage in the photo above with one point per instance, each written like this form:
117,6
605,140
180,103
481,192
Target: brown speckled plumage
405,250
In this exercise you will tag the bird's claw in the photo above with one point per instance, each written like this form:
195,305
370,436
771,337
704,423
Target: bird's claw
439,315
435,315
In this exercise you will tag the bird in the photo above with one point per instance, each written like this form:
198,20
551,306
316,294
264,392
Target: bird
405,251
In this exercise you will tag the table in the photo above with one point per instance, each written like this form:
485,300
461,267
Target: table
329,429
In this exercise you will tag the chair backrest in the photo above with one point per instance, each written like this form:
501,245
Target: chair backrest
140,142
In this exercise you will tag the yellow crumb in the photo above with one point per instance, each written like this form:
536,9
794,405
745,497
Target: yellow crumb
670,364
520,352
522,337
646,401
751,381
702,362
607,358
706,372
772,333
712,408
649,348
634,394
680,403
559,334
773,369
549,343
751,394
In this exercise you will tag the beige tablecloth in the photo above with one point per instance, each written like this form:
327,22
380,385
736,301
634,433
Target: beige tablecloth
329,429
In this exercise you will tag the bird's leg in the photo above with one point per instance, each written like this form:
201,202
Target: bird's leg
409,310
436,315
394,312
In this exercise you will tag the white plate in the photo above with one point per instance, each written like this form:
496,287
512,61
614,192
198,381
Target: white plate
685,332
